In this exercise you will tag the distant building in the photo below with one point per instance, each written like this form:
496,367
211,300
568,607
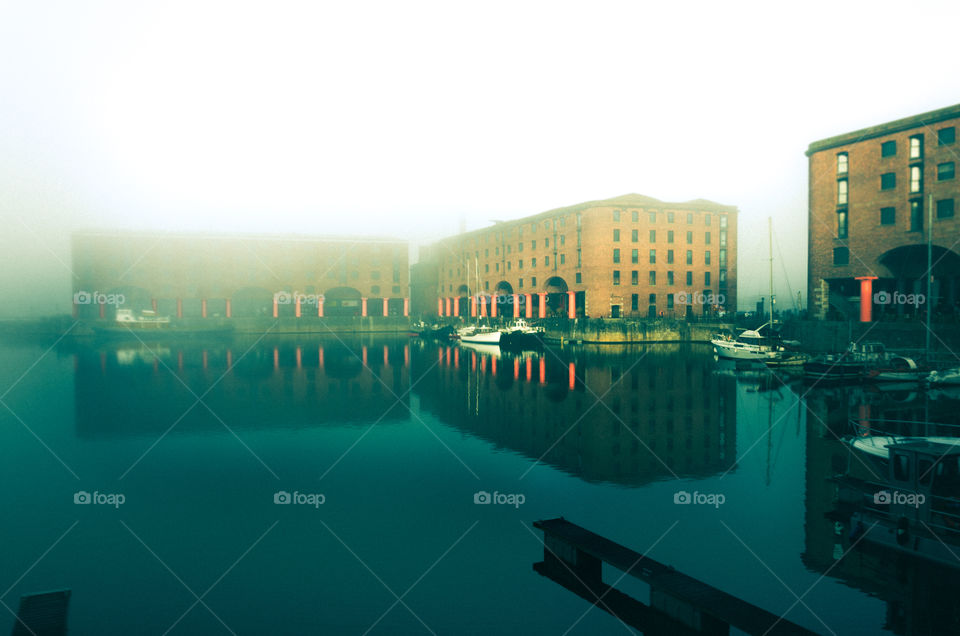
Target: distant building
234,276
871,196
631,256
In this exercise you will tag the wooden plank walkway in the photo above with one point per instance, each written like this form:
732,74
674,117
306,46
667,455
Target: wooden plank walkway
43,614
581,550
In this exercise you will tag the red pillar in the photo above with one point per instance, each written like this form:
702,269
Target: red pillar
473,306
543,371
571,377
493,305
448,306
516,368
483,305
320,356
493,365
866,297
543,304
440,307
386,311
276,308
320,307
456,306
363,355
296,307
571,305
529,368
528,298
299,357
203,307
363,306
516,305
180,308
406,306
229,309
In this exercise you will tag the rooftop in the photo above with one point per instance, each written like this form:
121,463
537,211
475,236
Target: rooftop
907,123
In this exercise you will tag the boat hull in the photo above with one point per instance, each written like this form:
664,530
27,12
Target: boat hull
490,338
734,351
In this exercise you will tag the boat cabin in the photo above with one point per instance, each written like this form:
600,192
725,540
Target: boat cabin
924,484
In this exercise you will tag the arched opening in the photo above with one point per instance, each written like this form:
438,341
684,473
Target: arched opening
342,301
903,291
252,302
557,302
463,292
503,296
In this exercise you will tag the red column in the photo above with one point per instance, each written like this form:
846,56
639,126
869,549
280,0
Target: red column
571,377
363,355
406,306
440,307
299,357
571,305
543,304
529,368
516,368
543,371
320,356
473,306
448,306
528,298
493,305
296,307
483,305
229,309
320,307
493,365
866,297
386,355
363,306
456,306
180,308
276,308
203,307
386,311
516,305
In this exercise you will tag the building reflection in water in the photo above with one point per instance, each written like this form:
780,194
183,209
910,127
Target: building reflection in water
919,592
626,416
617,414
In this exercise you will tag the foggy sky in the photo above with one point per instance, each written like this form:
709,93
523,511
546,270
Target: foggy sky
404,118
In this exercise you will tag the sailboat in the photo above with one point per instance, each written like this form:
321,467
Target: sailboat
477,333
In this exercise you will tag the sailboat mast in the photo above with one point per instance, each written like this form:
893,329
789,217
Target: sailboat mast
929,302
770,231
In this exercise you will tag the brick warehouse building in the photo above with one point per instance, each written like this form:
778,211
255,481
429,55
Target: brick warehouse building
872,195
224,276
630,256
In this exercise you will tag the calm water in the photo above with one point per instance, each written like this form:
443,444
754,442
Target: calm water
398,436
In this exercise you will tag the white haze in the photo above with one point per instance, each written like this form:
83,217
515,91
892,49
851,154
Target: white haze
405,118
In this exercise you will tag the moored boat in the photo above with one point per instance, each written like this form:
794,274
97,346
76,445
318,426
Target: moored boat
479,335
852,364
749,345
520,335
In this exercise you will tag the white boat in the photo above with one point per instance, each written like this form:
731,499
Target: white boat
520,335
949,376
749,345
898,369
479,335
876,445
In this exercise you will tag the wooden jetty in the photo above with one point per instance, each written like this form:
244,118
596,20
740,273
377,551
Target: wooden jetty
679,604
43,614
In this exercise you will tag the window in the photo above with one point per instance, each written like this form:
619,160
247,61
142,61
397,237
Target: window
616,236
509,263
723,257
689,218
706,238
842,192
706,257
616,215
706,218
689,257
579,258
563,239
916,147
669,301
563,259
888,216
842,223
616,277
533,244
486,268
375,289
579,278
519,247
669,256
634,235
916,179
946,136
533,262
723,278
521,283
945,171
689,278
723,221
723,238
533,281
945,209
634,277
653,299
706,279
616,255
635,302
669,217
842,161
653,277
841,256
670,236
634,256
916,215
520,264
546,261
888,149
653,256
689,238
652,217
888,181
653,236
670,277
634,216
